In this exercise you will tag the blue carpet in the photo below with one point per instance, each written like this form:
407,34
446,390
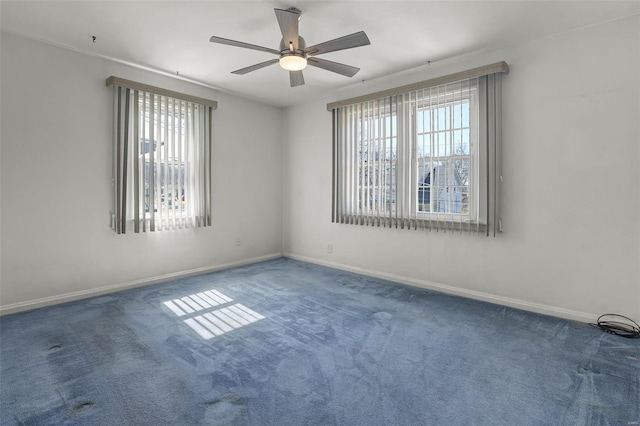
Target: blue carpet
289,343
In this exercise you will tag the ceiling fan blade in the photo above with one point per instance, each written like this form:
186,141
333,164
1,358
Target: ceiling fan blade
288,22
346,70
296,78
243,71
347,42
226,41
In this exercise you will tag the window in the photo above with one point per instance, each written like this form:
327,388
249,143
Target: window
162,164
422,156
446,152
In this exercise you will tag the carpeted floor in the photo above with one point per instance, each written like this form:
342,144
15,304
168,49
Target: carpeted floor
289,343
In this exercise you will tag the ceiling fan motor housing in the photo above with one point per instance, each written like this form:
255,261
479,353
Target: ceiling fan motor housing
293,60
284,46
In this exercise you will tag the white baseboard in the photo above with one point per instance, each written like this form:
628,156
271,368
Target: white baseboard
429,285
444,288
83,294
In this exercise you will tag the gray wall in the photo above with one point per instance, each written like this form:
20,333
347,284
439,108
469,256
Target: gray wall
56,182
571,245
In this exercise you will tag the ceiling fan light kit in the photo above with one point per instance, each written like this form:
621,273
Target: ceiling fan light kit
293,62
294,55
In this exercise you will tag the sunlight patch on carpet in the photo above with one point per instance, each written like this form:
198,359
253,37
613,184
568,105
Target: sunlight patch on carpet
197,302
220,317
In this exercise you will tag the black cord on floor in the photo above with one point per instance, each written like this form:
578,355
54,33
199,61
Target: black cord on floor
611,323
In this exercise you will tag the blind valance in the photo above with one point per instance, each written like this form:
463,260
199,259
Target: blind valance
498,67
134,85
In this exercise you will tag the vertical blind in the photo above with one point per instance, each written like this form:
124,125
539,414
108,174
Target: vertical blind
425,156
162,159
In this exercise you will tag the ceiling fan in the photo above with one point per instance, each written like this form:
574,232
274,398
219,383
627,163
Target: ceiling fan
294,55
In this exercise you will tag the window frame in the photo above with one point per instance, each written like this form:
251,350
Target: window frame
473,185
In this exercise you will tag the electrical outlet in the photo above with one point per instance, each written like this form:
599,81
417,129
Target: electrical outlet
237,241
329,248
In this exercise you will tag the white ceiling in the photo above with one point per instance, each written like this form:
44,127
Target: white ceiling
173,36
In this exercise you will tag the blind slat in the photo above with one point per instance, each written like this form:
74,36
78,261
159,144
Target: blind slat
136,160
